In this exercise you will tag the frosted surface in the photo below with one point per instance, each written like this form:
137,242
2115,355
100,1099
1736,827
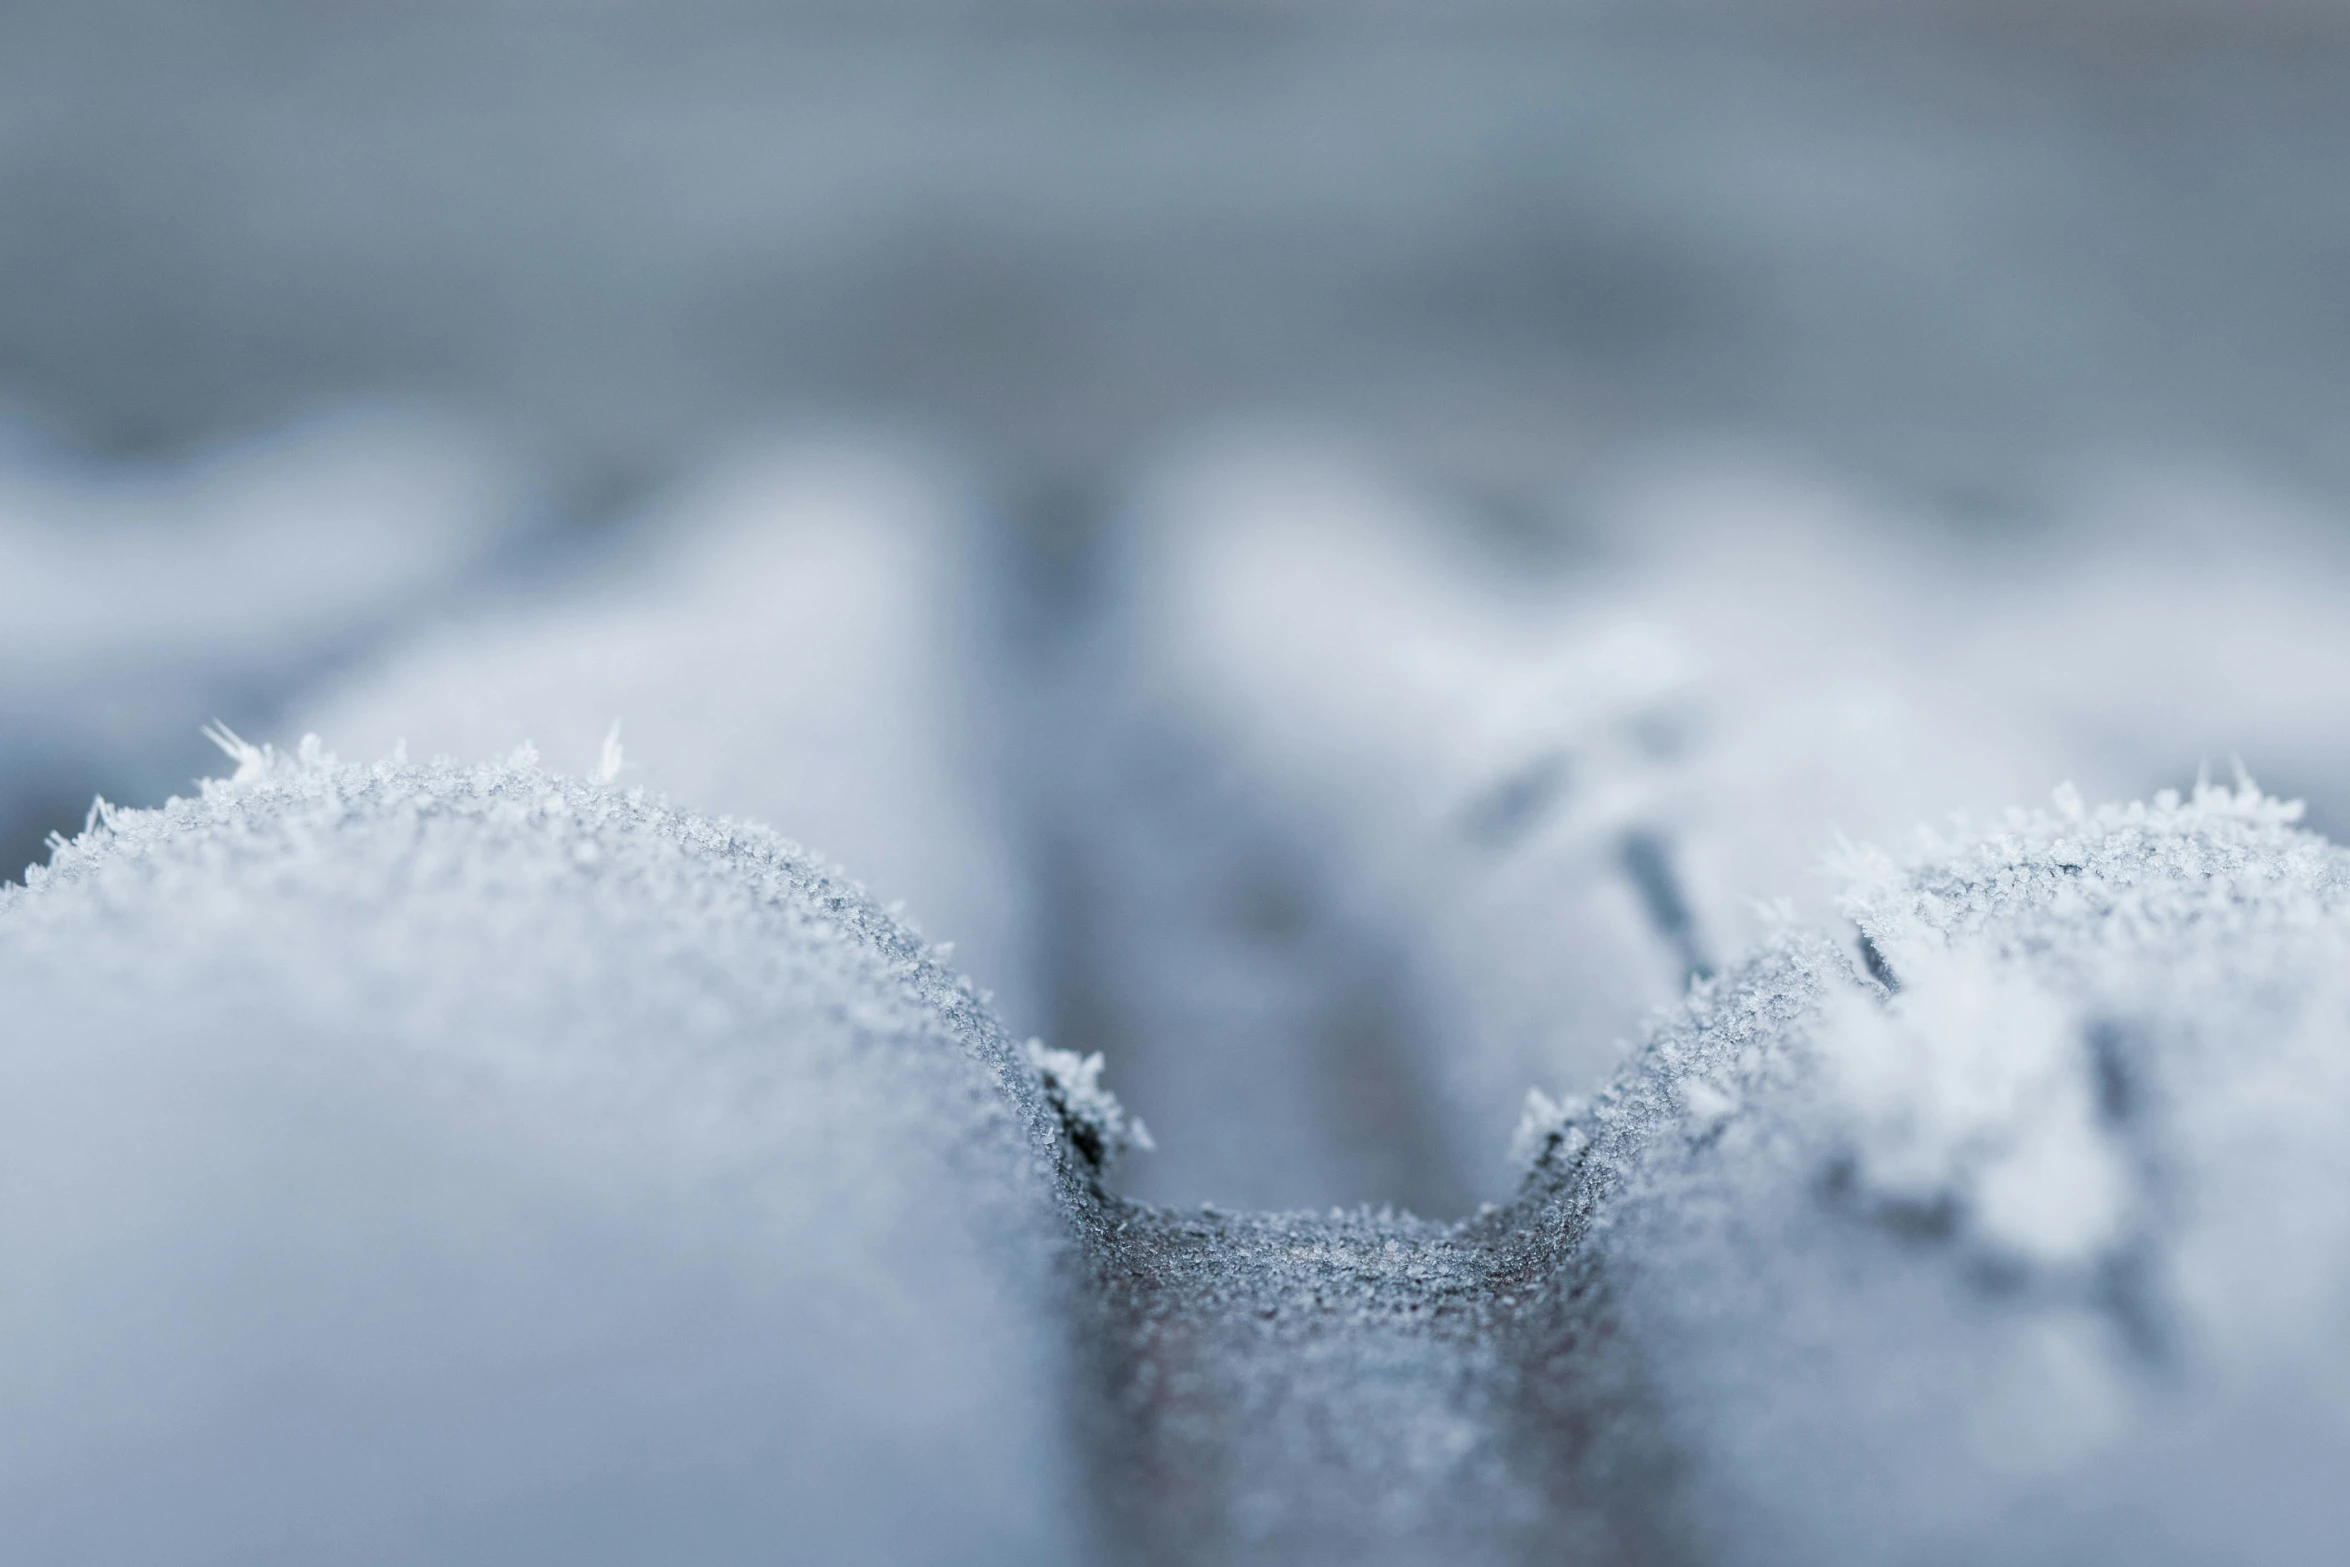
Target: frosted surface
513,1157
504,1166
2037,1257
422,1162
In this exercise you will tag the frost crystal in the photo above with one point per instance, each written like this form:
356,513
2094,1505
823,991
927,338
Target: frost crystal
2039,1257
1098,1125
1546,1128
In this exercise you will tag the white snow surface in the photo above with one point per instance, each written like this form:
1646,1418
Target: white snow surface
504,1166
422,1162
794,637
2041,1257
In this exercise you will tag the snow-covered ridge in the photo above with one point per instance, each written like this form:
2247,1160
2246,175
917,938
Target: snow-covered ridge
2037,1257
512,1165
2004,1228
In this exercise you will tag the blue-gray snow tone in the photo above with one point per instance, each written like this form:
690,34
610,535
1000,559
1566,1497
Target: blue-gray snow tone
510,1168
1187,783
418,1162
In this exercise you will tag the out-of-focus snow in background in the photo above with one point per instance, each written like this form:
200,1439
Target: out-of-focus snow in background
1339,553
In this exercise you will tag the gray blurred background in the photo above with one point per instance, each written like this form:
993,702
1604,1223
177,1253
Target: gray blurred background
1945,239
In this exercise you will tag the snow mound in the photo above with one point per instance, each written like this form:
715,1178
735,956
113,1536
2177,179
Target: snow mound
420,1162
506,1165
2013,1232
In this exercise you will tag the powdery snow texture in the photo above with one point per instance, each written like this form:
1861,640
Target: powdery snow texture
2039,1257
475,1164
427,1163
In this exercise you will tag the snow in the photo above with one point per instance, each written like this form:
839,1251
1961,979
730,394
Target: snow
516,1166
1971,1088
2065,1307
417,1161
1098,1125
2090,1306
513,1147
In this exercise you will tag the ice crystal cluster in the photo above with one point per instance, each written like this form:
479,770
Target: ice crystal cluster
2016,1241
1097,1124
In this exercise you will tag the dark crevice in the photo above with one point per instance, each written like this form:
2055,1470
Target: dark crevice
2130,1291
2110,1071
28,819
1511,808
1879,970
1648,863
2129,1286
